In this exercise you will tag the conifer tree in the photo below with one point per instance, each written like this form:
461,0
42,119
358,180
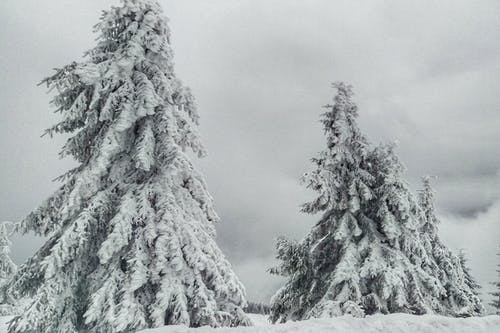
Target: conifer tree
470,281
7,271
366,254
131,232
495,302
462,291
258,308
322,268
407,270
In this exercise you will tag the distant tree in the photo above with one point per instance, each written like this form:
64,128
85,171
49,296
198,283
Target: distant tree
259,308
7,271
470,281
131,232
367,253
495,302
462,290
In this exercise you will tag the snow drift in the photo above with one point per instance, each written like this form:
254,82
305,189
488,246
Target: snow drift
393,323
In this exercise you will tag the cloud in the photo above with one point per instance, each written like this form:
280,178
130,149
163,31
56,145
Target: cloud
259,284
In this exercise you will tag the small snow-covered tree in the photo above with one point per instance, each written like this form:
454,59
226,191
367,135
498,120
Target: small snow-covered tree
367,253
470,281
131,232
495,302
7,271
462,291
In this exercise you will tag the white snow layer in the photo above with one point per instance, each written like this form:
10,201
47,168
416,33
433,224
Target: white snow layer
393,323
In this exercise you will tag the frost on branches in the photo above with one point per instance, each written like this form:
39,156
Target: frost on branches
7,271
462,290
375,249
131,231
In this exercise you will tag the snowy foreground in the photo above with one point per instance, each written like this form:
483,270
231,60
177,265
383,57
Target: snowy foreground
394,323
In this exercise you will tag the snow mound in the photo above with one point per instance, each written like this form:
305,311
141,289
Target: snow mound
393,323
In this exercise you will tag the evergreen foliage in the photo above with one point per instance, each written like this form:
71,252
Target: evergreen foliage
462,290
258,308
373,249
469,279
8,305
131,232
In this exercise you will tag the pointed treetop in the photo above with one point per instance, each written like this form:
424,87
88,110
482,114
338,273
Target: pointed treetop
346,150
339,121
343,98
426,199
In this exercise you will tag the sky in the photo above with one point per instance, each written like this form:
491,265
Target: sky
426,75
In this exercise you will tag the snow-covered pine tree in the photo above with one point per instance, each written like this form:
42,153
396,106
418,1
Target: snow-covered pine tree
258,308
322,269
495,302
7,271
366,254
131,232
462,291
470,281
405,274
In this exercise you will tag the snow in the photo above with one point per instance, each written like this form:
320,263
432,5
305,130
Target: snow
393,323
3,323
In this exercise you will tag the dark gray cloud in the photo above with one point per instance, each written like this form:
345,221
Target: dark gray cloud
426,74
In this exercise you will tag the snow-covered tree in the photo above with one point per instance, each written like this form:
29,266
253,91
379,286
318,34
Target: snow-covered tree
462,291
7,266
7,270
131,232
321,270
470,281
257,307
366,254
407,270
495,302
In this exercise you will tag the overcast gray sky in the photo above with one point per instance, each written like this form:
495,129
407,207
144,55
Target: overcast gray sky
426,73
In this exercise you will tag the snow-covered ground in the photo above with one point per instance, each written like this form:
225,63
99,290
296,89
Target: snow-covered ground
394,323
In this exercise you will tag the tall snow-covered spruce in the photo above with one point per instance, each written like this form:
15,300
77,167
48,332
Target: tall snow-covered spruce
366,254
131,231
